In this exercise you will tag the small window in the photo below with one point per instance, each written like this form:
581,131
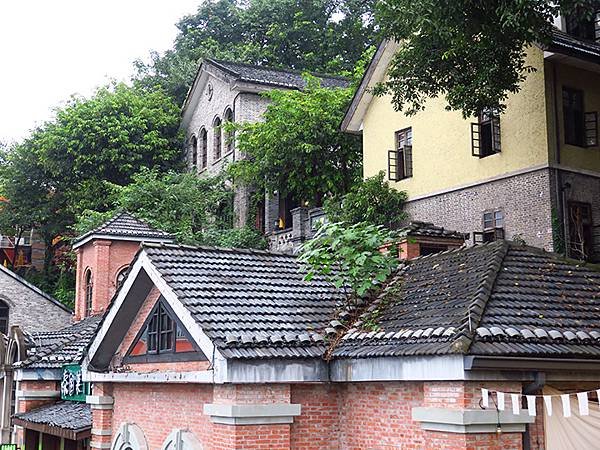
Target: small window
194,153
493,227
89,291
581,128
400,164
203,148
217,139
584,28
229,135
485,134
580,230
121,276
3,317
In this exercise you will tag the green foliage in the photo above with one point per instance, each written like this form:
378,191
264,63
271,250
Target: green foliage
299,149
196,211
317,35
557,233
473,53
350,256
372,201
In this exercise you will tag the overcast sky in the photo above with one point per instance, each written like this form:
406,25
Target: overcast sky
50,49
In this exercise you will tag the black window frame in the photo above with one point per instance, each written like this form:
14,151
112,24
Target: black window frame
203,148
4,316
194,153
400,160
492,222
217,139
486,134
573,104
229,135
89,292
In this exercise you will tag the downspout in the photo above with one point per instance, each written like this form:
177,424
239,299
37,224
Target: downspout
532,388
560,195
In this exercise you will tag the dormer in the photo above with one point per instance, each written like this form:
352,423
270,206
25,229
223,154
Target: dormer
424,238
103,258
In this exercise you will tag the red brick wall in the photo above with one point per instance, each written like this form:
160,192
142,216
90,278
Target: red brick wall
159,409
317,427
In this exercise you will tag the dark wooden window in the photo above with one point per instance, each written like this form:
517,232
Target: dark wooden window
89,292
218,151
4,310
581,128
586,28
485,134
400,163
203,148
194,153
591,129
580,230
121,276
161,331
493,227
229,135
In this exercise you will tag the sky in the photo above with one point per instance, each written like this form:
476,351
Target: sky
51,49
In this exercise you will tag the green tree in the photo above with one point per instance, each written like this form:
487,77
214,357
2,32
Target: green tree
194,210
372,201
317,35
471,52
350,256
298,149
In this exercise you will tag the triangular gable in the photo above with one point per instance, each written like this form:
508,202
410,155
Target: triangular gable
142,279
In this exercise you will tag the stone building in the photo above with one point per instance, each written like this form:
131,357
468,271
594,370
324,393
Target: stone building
214,349
226,91
532,173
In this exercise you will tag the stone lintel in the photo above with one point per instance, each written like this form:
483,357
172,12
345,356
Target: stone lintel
469,421
253,414
37,395
99,399
100,432
101,445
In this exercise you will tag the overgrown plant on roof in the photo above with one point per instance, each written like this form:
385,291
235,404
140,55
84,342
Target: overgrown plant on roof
473,53
351,257
372,201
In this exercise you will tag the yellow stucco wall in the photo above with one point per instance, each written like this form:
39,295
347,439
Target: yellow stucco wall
589,82
442,140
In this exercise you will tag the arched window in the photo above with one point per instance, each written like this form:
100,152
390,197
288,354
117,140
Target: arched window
203,148
194,153
89,290
121,276
129,437
3,317
217,140
229,135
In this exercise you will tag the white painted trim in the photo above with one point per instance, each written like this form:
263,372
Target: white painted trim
181,440
186,319
111,237
112,312
103,445
480,182
252,414
99,432
99,400
38,374
102,406
36,395
198,377
130,435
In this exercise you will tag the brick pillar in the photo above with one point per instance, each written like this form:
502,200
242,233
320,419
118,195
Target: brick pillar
452,418
32,394
409,250
251,417
101,273
79,294
102,412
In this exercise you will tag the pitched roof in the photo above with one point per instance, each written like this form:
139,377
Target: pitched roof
251,304
428,229
53,349
286,78
494,299
72,416
570,45
126,227
33,288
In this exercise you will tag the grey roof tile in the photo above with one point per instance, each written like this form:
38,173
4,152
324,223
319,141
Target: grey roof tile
68,415
571,45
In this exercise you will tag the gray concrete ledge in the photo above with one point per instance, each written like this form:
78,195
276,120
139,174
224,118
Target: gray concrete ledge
468,421
99,432
251,414
37,395
106,445
99,400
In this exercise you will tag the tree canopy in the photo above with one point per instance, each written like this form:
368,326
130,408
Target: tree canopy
317,35
298,149
471,52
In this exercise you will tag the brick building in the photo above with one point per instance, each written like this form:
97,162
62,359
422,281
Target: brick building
532,173
226,91
205,348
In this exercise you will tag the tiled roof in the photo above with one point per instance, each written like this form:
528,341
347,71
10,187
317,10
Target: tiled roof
251,304
124,225
427,229
565,43
275,77
68,415
53,349
495,299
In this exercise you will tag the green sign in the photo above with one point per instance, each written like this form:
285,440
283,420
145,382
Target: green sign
72,386
8,446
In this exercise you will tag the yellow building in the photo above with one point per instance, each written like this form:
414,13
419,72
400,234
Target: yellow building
532,173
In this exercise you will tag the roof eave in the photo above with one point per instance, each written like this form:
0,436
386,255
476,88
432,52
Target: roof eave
111,237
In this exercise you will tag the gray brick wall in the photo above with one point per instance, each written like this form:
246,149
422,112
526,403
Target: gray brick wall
525,200
28,308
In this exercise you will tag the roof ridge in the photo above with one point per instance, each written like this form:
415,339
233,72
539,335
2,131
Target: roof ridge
220,62
480,301
215,248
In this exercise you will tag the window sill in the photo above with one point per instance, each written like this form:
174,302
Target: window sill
216,161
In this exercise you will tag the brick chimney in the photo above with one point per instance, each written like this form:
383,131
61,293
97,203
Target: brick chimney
424,238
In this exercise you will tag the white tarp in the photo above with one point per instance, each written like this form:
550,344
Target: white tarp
576,432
